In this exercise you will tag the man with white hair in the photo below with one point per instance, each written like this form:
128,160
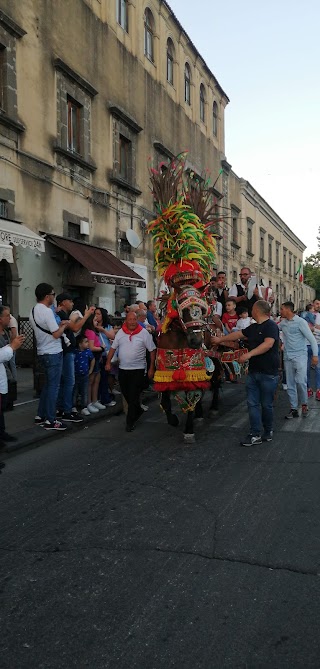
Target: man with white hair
132,342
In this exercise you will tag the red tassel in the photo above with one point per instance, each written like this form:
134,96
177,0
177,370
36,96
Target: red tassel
179,375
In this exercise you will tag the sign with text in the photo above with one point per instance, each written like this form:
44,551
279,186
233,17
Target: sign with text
35,243
117,280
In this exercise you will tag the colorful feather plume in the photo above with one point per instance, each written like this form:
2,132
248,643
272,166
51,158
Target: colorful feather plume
178,232
199,195
178,235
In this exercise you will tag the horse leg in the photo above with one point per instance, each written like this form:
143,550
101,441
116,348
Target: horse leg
188,435
165,404
215,387
198,413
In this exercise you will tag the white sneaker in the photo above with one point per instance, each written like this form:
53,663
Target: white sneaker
116,392
144,407
111,404
85,412
99,406
92,409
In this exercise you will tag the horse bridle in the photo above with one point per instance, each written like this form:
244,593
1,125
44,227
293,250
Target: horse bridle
189,298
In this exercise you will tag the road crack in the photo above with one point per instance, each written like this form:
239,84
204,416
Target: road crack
214,557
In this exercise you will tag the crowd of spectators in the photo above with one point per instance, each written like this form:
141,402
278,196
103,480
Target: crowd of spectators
84,357
73,346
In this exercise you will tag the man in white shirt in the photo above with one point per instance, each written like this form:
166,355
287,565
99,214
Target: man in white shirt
48,337
239,291
222,290
131,343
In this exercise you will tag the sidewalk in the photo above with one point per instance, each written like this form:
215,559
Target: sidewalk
20,421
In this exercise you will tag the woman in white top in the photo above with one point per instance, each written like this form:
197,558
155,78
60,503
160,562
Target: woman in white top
6,353
79,308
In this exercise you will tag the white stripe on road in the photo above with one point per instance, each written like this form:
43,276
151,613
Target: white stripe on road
20,404
309,424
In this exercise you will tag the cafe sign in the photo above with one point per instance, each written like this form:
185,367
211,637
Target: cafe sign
35,243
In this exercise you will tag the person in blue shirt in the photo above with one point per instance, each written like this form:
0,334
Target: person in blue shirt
296,336
151,313
84,362
309,315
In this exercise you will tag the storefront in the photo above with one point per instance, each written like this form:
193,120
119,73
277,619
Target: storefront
95,274
15,240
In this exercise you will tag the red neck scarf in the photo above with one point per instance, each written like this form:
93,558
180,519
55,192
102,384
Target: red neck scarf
131,332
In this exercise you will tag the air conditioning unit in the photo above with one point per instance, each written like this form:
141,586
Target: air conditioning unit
84,228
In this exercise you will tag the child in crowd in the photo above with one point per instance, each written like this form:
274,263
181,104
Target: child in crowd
84,363
106,335
309,315
244,319
97,348
230,318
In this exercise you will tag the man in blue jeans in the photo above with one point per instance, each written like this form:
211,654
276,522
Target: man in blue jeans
296,335
262,340
48,337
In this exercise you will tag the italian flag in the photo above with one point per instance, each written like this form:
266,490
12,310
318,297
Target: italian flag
299,273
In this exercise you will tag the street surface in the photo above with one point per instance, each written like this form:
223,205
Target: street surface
135,551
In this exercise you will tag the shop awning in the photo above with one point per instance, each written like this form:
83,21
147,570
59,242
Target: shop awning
17,234
102,265
6,252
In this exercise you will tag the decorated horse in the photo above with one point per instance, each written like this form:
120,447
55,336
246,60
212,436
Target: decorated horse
181,366
185,252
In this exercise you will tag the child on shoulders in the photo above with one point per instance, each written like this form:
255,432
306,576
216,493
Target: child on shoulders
309,315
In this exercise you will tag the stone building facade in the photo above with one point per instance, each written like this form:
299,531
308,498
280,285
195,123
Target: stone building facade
260,240
91,92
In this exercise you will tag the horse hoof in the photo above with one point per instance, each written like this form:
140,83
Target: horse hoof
173,420
189,438
213,413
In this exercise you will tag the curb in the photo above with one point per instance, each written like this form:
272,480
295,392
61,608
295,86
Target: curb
36,435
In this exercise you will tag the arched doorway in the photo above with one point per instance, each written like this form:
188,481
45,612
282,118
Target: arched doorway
5,283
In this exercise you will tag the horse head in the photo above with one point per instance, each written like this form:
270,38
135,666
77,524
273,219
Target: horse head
192,309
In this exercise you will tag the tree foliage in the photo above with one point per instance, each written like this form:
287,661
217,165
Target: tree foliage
311,271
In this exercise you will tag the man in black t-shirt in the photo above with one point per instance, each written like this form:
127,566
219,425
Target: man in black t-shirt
262,340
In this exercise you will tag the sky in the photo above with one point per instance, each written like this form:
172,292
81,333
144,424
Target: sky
265,55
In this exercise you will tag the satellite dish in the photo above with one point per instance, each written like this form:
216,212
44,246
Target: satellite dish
133,239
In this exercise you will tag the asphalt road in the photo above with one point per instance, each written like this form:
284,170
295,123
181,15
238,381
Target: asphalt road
135,551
